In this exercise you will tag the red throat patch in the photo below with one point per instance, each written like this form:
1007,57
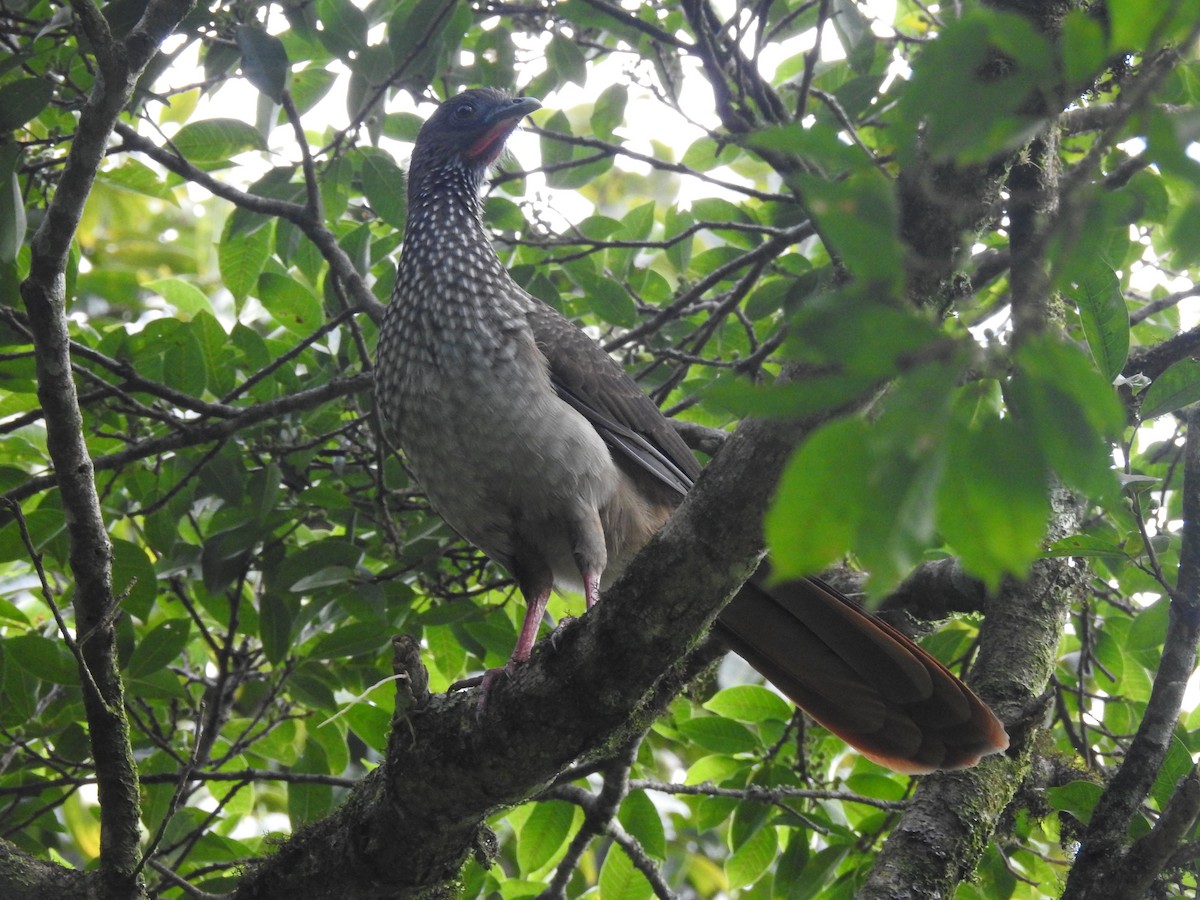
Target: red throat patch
488,147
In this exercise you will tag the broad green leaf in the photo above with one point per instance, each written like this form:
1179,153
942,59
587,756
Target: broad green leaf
345,26
242,257
748,862
713,768
749,703
309,802
349,640
567,60
48,659
22,100
858,216
217,140
612,303
1070,414
619,880
984,113
609,110
290,303
642,820
371,723
544,834
310,85
1078,798
992,502
719,734
133,577
275,617
804,530
187,299
1177,387
161,647
1083,48
385,188
1134,22
264,60
1105,319
12,205
134,175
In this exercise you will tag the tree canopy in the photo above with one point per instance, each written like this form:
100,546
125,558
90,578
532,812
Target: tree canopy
920,279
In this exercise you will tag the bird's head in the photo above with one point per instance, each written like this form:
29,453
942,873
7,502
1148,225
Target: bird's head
468,132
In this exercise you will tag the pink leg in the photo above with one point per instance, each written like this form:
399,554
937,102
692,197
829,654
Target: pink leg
591,588
534,610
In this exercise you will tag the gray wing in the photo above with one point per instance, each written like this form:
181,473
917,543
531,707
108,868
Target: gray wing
600,390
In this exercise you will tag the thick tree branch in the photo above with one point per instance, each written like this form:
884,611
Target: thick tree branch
940,838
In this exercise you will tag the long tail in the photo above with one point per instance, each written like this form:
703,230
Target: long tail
860,677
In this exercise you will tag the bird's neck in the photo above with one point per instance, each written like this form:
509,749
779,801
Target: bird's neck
450,283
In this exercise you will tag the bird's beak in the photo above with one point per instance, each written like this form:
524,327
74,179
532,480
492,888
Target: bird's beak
517,108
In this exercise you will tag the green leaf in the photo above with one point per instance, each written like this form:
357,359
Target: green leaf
609,110
1134,22
385,188
749,703
290,303
133,577
264,60
187,299
160,648
612,303
23,100
750,860
45,658
1078,799
12,205
1105,318
804,530
136,176
217,140
1177,387
641,819
998,64
566,59
371,723
620,880
992,502
344,26
714,768
1070,412
719,734
275,617
858,217
349,640
1083,48
544,834
310,85
309,802
241,258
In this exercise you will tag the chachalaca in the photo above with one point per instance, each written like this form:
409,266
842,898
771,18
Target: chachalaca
537,447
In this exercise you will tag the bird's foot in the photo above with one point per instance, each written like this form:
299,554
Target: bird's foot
558,629
464,683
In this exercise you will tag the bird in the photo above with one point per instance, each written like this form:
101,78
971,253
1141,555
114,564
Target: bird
537,447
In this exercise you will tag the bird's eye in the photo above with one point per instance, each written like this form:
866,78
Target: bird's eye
464,112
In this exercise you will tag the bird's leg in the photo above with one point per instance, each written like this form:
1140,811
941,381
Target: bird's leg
591,588
535,608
